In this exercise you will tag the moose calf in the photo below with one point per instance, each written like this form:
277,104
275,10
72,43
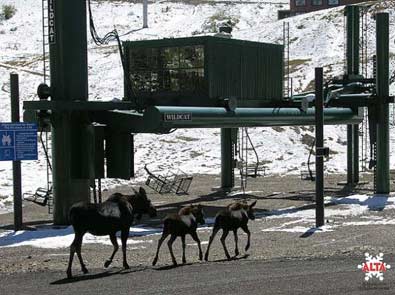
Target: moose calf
113,215
233,217
179,225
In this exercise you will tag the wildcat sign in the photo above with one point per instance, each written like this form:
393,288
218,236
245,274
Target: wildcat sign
51,22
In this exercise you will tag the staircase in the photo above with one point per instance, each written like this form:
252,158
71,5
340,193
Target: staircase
248,162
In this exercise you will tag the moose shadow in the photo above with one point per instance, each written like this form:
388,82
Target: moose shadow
90,276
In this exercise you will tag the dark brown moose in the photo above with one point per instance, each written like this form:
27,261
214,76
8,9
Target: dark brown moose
115,214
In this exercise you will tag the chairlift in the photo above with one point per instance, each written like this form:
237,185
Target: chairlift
41,197
177,183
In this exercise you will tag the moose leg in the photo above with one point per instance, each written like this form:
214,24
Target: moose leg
78,249
183,249
72,251
114,242
223,238
196,239
124,239
170,245
247,231
215,230
162,238
236,242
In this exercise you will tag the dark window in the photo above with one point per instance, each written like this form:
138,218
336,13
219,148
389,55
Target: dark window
300,2
316,2
167,69
333,2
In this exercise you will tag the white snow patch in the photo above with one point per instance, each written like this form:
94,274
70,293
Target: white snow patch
62,238
300,229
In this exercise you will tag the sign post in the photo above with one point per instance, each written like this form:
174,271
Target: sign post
18,141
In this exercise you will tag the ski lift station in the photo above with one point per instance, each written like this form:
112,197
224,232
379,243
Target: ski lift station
197,82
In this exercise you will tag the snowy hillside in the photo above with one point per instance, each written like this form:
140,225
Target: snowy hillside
316,39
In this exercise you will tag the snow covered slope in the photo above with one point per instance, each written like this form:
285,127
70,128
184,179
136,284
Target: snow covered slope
316,39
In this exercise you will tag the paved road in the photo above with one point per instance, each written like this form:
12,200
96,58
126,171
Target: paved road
319,276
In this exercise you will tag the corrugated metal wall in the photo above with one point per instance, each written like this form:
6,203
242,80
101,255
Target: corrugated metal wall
251,72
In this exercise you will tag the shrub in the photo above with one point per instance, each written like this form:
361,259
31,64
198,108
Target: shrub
8,11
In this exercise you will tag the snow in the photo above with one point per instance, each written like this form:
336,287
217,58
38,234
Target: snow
62,238
316,39
339,211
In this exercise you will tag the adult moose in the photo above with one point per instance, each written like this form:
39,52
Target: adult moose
179,225
233,217
113,215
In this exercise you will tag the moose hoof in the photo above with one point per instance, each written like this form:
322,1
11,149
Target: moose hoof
84,270
175,263
107,263
154,261
184,261
206,257
237,253
69,275
126,266
247,247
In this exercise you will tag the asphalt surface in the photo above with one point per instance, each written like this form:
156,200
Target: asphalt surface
333,275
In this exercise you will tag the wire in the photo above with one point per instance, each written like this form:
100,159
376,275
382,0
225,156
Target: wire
113,36
110,36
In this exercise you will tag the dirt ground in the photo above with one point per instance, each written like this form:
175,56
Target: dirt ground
274,194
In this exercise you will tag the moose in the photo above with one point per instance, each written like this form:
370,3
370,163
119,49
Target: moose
179,225
115,214
233,217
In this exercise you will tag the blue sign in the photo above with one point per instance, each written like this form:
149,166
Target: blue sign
18,141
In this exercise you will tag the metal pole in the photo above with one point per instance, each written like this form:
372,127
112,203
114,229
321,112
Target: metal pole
319,144
16,165
227,175
350,156
356,152
145,14
382,86
352,53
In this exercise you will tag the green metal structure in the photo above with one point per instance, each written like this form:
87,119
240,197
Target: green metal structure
353,40
200,82
69,82
382,107
202,71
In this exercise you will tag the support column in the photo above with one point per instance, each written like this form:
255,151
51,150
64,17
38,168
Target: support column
352,13
69,82
319,145
382,86
227,169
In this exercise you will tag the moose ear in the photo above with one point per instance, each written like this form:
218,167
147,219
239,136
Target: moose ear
142,191
253,204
